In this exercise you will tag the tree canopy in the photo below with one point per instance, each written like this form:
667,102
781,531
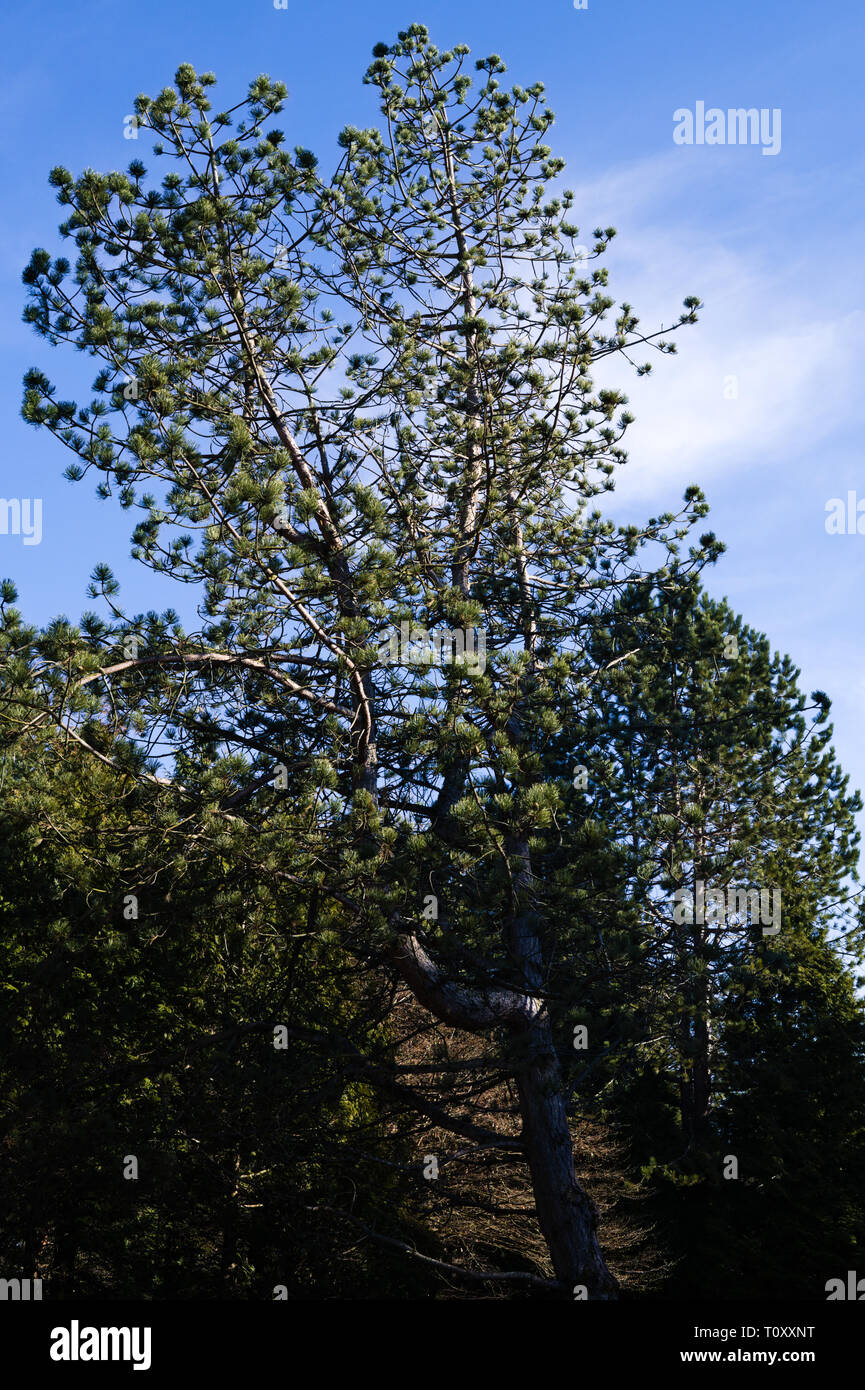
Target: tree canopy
417,774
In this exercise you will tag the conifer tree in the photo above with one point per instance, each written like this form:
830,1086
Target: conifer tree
356,415
713,773
720,777
168,999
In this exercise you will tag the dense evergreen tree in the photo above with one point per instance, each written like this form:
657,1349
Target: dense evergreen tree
369,398
148,974
708,768
355,414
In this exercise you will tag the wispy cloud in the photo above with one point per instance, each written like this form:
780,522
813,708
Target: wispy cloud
766,376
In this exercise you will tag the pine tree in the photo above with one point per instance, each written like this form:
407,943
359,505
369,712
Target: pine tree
714,773
196,1034
357,414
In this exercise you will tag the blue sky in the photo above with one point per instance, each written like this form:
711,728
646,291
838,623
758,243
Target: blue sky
772,244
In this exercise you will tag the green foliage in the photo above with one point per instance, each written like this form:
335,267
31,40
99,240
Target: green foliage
341,407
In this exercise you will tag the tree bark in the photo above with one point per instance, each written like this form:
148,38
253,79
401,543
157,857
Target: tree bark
696,1062
567,1216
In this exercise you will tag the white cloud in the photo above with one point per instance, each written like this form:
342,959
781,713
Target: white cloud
769,321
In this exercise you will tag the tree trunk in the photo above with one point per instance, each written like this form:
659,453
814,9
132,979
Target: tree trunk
696,1043
567,1216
